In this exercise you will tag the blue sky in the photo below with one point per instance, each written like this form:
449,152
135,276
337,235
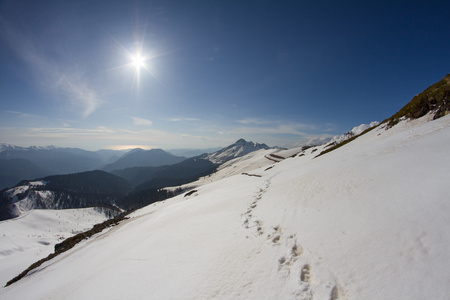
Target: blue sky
278,72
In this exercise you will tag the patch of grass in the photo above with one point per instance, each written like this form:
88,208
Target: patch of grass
277,156
254,175
434,98
190,193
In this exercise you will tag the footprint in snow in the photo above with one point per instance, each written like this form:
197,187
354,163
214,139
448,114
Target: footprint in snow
334,293
305,274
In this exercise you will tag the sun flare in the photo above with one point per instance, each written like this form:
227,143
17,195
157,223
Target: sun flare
138,62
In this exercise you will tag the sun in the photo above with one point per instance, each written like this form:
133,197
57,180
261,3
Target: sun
138,61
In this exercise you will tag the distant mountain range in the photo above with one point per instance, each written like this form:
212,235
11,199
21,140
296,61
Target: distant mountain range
188,170
170,175
16,169
135,179
144,158
192,152
19,163
60,160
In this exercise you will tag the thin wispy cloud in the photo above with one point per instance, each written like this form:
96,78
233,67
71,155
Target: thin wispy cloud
275,132
251,121
281,129
102,135
266,126
180,119
68,131
141,121
80,95
21,114
62,135
66,83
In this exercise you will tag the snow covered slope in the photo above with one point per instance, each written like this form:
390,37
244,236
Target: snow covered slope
33,236
354,132
368,220
239,165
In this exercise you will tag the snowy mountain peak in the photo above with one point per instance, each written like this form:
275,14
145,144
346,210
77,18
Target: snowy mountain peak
9,147
238,149
4,146
242,142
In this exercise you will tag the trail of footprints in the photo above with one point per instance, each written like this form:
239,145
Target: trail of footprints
248,214
293,251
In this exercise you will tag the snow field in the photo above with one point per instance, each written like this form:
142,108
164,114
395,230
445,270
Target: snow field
368,220
374,211
33,235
